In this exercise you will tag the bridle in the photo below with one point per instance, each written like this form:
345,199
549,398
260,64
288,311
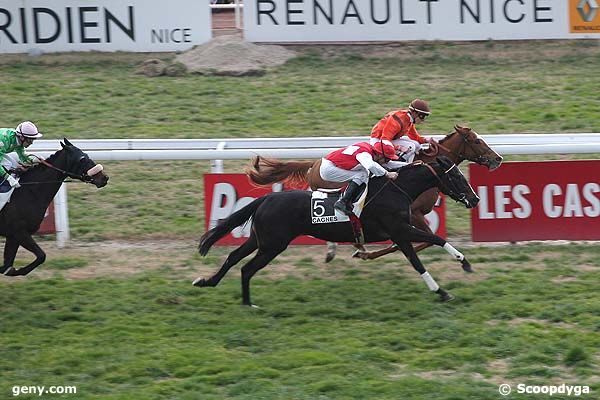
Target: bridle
82,177
448,190
85,178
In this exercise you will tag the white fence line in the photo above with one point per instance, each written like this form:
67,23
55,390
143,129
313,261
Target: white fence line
299,148
242,154
306,147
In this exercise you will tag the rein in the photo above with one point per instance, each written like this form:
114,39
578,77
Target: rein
402,191
377,193
451,192
79,177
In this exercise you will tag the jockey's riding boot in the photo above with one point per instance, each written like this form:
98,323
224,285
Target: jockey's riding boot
344,204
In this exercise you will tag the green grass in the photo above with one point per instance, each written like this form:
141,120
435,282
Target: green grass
348,330
153,336
311,95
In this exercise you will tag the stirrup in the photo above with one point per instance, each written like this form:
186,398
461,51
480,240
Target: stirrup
343,207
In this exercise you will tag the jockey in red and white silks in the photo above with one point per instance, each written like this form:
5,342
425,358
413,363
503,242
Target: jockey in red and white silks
353,164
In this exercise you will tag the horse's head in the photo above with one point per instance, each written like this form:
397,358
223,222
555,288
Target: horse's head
80,166
454,183
470,146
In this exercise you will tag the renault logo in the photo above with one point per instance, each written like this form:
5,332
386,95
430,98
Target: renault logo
587,9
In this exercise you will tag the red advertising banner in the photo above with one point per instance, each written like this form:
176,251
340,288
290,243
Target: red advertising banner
47,225
549,200
226,193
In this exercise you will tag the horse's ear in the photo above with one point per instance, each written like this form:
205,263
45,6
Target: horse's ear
67,142
459,128
62,145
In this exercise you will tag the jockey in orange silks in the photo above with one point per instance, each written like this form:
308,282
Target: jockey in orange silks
398,128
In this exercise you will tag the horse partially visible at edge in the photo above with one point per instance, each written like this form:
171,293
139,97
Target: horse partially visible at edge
22,216
278,218
461,144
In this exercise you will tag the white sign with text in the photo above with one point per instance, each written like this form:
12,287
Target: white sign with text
103,25
396,20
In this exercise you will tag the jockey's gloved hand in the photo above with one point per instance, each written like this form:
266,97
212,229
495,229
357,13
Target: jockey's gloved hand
12,181
391,175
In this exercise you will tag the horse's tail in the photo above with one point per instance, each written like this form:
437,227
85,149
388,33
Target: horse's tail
266,171
227,225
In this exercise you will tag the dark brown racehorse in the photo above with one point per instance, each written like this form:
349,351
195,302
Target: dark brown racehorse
22,217
279,217
461,144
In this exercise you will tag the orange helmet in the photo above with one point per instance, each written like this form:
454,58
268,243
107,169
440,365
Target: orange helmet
419,106
387,150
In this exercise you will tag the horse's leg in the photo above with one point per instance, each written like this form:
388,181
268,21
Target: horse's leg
28,243
411,255
234,257
417,235
331,249
262,258
11,246
418,220
371,255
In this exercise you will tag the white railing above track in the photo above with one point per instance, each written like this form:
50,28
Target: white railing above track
298,148
305,147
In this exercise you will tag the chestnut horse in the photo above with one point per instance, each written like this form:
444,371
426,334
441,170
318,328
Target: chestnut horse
461,144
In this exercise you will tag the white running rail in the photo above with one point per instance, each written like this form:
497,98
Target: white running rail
298,148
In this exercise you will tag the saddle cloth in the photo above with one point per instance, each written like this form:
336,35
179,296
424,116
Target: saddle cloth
322,211
6,192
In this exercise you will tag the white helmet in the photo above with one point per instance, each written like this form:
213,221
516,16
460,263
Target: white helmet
29,130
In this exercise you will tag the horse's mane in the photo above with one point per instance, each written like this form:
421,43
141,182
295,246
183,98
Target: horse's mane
449,135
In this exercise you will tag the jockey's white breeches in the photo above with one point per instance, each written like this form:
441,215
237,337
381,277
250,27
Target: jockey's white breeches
407,147
329,172
10,161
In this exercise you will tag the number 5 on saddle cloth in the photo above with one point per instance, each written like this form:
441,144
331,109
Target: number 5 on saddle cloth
322,211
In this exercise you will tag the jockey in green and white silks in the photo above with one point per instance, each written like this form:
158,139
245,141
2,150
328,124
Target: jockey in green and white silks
16,140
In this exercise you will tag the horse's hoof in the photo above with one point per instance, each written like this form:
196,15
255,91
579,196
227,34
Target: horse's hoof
11,271
445,296
199,282
329,257
466,266
360,254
